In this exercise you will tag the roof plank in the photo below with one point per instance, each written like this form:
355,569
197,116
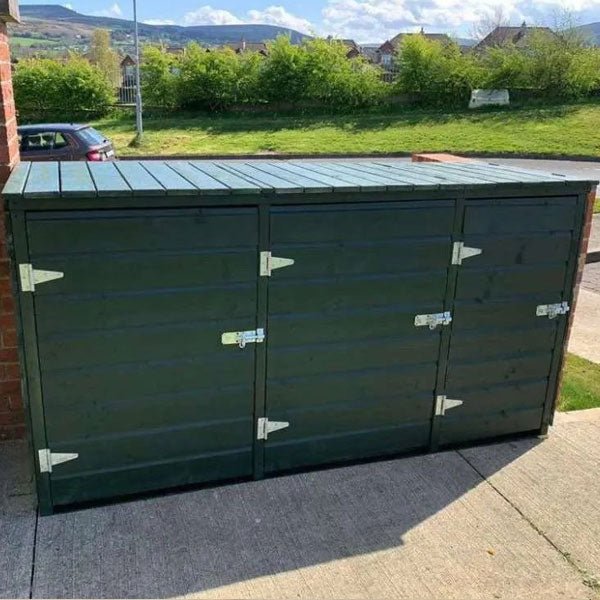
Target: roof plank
18,178
139,179
306,183
75,180
334,182
234,182
108,180
43,180
202,182
323,168
169,179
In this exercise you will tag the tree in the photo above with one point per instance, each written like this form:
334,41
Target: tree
103,56
490,21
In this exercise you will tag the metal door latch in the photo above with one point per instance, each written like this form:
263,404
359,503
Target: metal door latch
31,277
552,310
433,320
460,252
265,427
443,403
49,459
241,338
268,263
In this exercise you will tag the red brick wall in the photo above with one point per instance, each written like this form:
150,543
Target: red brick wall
11,404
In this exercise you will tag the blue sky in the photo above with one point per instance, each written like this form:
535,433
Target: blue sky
363,20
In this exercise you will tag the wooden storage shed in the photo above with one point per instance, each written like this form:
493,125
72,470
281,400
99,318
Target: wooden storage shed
198,321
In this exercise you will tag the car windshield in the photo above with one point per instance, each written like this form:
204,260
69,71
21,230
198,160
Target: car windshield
91,136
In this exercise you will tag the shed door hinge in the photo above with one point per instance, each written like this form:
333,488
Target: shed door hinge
268,263
443,403
31,277
433,320
49,459
241,338
552,310
460,252
265,427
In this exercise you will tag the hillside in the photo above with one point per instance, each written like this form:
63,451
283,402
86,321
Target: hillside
591,31
45,23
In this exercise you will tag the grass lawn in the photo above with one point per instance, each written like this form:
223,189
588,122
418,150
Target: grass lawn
581,384
597,205
26,41
567,130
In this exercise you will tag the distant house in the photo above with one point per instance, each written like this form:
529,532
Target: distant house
384,55
243,46
520,37
128,71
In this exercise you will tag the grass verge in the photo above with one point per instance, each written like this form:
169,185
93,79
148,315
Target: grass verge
555,130
581,384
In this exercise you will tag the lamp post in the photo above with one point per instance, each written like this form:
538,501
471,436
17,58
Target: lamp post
138,88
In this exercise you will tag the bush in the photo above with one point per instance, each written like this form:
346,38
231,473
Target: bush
435,73
67,90
334,80
158,72
208,80
283,76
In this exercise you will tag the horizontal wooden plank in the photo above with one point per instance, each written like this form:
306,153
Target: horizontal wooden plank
359,223
385,257
314,359
338,388
347,293
228,366
105,232
127,412
100,346
204,180
507,282
489,372
486,427
357,445
368,322
144,272
531,216
152,476
76,181
101,311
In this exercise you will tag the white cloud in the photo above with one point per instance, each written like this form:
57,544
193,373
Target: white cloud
69,6
278,15
207,15
159,22
272,15
377,20
112,11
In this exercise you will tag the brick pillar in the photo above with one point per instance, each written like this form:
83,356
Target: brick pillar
11,405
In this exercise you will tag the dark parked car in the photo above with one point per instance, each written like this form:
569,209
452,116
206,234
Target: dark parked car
64,141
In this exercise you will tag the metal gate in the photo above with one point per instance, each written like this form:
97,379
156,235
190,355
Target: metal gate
138,391
347,368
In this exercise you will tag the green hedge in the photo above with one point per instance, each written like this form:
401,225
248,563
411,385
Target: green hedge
45,88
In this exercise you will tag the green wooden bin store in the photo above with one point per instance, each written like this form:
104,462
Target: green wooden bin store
187,322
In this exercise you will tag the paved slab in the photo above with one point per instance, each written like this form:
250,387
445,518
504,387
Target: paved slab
594,244
556,486
422,527
584,339
17,522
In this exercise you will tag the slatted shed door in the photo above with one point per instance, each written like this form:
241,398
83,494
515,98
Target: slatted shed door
134,377
502,353
347,368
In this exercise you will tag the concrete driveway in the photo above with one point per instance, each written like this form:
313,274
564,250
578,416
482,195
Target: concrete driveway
520,519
